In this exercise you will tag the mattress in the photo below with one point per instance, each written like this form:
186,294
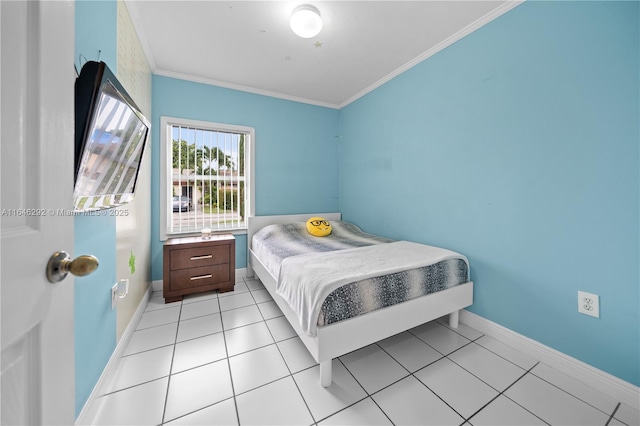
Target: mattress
274,243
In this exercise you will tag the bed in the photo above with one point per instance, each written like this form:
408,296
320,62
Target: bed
325,332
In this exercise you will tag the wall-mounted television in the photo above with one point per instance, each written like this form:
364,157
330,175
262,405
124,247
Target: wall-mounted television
110,137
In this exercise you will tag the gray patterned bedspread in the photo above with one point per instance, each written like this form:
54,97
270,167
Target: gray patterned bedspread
273,243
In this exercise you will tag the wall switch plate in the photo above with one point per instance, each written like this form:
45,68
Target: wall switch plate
589,304
114,297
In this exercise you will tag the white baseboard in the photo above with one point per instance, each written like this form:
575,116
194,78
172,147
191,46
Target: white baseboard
241,273
90,409
156,285
618,389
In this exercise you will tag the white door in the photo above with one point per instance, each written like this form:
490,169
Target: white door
36,138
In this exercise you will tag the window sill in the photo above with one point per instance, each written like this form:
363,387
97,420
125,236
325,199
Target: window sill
196,234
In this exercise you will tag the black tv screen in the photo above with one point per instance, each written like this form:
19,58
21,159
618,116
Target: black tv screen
111,135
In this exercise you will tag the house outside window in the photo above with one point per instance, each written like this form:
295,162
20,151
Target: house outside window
207,177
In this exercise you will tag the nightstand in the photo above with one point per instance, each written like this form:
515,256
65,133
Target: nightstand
195,265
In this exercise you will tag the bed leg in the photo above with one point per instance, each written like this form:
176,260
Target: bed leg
249,271
325,373
453,319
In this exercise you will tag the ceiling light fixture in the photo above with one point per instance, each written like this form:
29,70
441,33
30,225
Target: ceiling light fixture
306,21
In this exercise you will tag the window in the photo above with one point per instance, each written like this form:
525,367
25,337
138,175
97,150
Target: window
207,177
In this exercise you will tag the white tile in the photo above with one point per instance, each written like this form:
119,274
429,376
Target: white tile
615,422
439,337
296,355
628,415
504,412
151,338
261,296
243,339
158,317
200,390
269,310
157,302
197,352
409,402
140,368
254,284
464,392
195,389
324,402
229,292
581,391
373,368
239,287
410,351
199,309
236,301
280,328
198,297
198,327
221,414
465,330
364,413
241,316
256,368
506,352
553,405
489,367
139,405
278,403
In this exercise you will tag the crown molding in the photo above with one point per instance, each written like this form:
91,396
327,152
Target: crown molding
504,8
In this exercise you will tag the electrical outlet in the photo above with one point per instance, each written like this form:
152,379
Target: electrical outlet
589,304
114,296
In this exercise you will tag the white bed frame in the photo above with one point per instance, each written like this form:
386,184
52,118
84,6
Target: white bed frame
345,336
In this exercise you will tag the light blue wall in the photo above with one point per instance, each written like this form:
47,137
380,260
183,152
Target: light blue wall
95,322
518,146
296,149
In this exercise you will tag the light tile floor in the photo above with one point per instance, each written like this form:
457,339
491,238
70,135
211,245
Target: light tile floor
233,359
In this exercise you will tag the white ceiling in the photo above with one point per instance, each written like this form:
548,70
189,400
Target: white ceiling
248,45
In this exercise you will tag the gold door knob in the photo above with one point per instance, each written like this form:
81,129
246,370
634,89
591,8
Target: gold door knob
60,264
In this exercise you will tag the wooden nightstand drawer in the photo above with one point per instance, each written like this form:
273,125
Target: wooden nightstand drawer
198,277
195,265
199,256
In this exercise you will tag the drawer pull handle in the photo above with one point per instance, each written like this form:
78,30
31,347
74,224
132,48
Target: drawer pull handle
201,277
208,256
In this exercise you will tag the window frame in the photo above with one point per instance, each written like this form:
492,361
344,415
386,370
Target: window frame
166,171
